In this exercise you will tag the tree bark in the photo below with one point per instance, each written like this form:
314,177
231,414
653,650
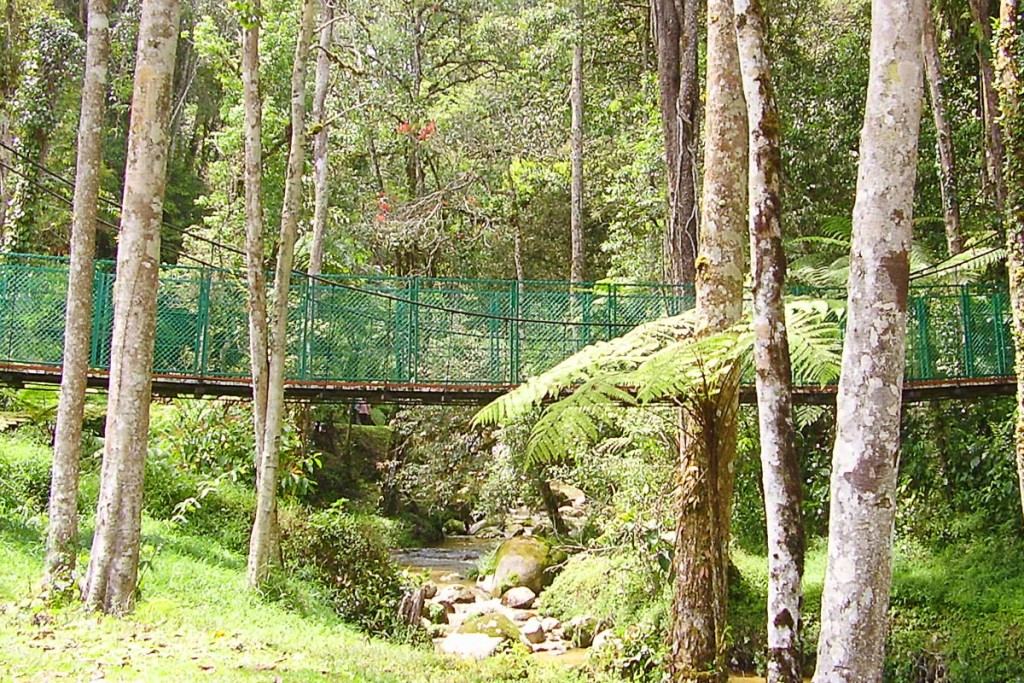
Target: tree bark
676,31
62,534
261,542
980,12
254,224
864,462
780,469
1010,63
576,199
708,441
944,137
114,560
321,192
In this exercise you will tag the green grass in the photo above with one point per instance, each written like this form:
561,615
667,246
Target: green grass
196,621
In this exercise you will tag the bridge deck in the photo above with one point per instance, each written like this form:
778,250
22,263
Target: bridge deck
456,394
437,340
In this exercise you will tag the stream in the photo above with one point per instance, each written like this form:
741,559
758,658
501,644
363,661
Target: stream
450,563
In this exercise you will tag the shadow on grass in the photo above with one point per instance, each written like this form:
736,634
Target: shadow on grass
197,549
23,533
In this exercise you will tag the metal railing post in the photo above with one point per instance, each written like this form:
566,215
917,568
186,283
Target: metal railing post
513,332
965,322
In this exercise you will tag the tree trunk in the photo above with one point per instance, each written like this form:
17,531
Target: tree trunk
114,560
576,200
62,534
944,137
676,30
708,443
253,179
980,12
780,469
262,541
864,461
1010,61
320,188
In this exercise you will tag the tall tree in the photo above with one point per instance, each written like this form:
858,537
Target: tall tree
114,560
62,534
321,192
981,13
676,34
944,137
1010,63
780,469
576,199
864,461
697,645
256,284
262,539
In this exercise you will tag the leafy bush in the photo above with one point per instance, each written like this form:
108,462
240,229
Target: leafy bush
349,554
24,476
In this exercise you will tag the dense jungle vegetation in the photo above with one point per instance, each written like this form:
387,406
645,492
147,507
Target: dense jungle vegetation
500,141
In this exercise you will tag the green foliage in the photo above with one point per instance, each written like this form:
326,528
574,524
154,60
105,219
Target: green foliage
663,360
24,477
348,553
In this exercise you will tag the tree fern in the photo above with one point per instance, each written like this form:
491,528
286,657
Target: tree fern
661,361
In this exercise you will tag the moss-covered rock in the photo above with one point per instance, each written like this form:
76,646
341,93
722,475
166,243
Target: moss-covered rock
522,561
493,624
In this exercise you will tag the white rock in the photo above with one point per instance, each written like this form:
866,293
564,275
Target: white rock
519,597
470,645
533,631
550,623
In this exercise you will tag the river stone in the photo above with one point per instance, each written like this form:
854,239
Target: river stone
429,590
519,597
533,631
603,639
454,594
550,623
471,645
522,561
493,624
567,493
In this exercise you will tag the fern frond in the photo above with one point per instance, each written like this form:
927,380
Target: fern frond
614,356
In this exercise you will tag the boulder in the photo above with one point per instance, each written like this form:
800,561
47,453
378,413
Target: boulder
519,597
429,590
533,631
471,645
455,594
493,625
550,623
567,493
522,561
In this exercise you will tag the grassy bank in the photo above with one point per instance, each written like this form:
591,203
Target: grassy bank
196,621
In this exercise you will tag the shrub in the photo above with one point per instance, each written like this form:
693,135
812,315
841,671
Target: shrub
24,476
349,554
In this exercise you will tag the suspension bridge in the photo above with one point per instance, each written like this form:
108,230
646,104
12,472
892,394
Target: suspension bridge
436,340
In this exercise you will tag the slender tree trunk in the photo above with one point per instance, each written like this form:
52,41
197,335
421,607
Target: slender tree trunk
864,462
697,645
62,534
321,192
944,137
254,225
576,200
114,560
261,543
780,469
676,31
980,12
1010,62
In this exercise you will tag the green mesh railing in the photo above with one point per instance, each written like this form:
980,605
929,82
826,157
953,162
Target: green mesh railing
432,330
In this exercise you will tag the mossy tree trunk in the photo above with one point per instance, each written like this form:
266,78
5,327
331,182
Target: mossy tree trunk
854,608
780,470
114,560
62,534
708,426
